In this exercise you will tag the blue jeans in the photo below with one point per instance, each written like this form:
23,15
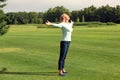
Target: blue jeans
64,45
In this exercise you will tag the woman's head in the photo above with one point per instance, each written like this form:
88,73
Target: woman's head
64,18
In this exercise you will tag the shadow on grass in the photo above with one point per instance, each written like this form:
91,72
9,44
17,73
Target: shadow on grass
4,71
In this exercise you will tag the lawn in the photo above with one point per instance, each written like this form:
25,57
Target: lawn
30,53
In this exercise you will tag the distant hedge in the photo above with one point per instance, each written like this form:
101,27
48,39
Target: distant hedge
93,23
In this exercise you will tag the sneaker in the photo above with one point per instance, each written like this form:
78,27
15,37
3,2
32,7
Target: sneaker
65,72
62,74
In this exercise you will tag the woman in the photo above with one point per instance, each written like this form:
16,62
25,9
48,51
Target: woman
67,29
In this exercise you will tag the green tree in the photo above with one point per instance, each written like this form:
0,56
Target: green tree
117,14
106,14
75,15
3,27
78,19
40,20
53,14
89,13
83,19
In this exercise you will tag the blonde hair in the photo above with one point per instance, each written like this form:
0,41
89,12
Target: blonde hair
64,18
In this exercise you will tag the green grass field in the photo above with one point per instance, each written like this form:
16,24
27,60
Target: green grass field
31,53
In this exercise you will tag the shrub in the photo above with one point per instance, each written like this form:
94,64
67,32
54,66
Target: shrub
110,23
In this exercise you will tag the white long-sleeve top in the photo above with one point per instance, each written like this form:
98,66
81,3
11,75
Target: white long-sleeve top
66,30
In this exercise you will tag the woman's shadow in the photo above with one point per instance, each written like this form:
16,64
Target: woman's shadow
4,71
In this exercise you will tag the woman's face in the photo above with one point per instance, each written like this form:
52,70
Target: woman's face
65,17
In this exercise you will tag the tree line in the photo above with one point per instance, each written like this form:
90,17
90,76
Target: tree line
102,14
92,13
24,17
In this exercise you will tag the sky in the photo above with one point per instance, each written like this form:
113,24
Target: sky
44,5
